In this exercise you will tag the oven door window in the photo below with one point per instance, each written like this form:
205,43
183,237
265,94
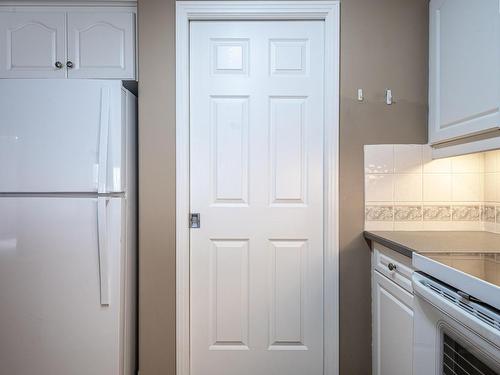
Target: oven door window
457,360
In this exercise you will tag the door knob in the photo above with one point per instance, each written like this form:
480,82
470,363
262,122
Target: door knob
58,64
391,266
69,64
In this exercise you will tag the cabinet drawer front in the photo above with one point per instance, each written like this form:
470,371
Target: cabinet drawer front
395,266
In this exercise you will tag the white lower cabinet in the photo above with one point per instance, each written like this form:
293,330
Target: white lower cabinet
392,327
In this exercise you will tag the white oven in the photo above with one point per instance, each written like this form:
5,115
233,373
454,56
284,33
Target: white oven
453,333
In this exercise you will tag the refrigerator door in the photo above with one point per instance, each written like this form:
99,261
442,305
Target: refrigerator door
60,136
61,275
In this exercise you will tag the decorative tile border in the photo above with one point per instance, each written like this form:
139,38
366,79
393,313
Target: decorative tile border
401,213
437,213
408,213
466,213
488,214
379,213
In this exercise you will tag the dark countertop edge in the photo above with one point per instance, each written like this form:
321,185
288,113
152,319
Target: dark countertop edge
402,249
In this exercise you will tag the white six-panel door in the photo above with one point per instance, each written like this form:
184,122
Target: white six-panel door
256,175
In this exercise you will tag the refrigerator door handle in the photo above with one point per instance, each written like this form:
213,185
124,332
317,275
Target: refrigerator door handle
102,219
103,141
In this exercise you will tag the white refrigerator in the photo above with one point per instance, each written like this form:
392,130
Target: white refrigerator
67,227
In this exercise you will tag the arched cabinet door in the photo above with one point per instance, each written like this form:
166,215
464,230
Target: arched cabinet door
32,44
101,45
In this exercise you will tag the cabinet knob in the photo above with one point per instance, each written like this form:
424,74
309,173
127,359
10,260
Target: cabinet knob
58,64
391,266
69,64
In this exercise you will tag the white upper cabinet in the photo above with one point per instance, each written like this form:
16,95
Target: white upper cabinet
32,45
464,90
56,42
101,45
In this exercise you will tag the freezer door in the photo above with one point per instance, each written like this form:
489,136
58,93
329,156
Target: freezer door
60,136
61,295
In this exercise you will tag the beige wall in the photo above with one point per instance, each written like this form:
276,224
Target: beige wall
384,44
156,187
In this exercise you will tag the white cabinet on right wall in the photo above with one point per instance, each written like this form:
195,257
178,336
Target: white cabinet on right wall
101,44
464,68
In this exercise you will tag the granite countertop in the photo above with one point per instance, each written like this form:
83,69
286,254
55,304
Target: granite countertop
422,242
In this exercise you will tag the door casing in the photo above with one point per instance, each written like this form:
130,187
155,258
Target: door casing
329,12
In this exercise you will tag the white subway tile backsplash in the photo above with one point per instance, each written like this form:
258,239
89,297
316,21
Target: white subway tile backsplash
434,166
406,190
437,225
466,187
490,187
408,158
379,225
379,187
466,163
437,187
379,159
408,225
408,187
490,161
497,187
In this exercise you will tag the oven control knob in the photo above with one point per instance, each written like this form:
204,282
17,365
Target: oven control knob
391,266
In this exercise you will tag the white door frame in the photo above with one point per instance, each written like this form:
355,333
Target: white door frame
329,12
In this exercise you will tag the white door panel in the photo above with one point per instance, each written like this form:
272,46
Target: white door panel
101,45
31,43
70,139
50,296
257,181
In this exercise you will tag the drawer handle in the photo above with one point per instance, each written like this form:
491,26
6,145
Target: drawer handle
391,266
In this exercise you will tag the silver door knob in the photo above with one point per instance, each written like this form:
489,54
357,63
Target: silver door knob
391,266
69,64
58,65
